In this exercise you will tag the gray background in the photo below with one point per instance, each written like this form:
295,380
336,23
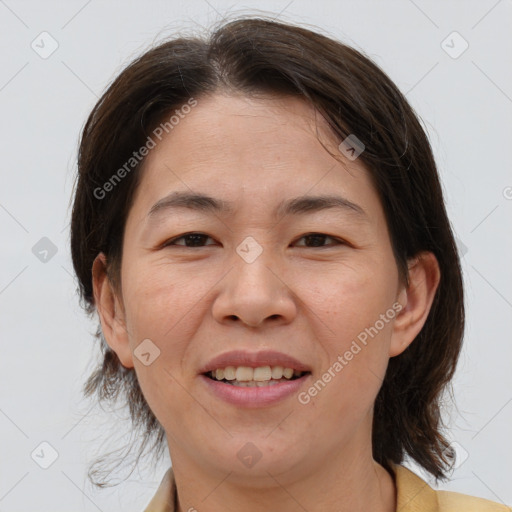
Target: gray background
46,340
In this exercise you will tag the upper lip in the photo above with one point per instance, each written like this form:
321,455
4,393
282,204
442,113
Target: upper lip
253,360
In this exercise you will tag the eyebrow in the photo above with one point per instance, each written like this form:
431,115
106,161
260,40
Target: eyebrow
296,206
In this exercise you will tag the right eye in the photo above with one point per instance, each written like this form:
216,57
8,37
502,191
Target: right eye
191,240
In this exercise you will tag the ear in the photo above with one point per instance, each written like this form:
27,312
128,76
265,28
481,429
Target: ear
416,299
111,312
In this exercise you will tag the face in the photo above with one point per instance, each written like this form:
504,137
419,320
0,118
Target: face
289,265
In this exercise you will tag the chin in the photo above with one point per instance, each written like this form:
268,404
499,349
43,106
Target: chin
258,459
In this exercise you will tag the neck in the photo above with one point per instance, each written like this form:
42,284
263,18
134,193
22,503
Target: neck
358,484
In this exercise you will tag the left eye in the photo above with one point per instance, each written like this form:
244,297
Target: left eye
198,240
317,239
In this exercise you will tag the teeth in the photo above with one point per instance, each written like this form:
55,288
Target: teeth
277,372
229,373
262,373
247,376
288,373
253,384
244,373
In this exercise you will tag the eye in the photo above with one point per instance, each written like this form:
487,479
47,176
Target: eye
190,239
196,239
317,239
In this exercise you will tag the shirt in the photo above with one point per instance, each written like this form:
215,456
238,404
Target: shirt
413,495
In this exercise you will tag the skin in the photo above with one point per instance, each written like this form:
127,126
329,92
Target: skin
304,300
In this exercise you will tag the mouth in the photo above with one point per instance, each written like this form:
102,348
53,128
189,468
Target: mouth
254,379
260,376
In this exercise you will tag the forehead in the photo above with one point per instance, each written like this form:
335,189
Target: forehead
251,149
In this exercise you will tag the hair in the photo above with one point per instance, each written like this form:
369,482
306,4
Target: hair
252,56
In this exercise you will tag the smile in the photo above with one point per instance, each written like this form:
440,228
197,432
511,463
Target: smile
254,393
261,376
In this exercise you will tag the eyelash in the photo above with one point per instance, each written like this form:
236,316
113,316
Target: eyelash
172,241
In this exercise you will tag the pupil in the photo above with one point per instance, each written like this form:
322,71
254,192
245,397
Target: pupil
317,238
196,240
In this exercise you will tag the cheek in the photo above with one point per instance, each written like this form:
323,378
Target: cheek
349,299
160,308
351,306
164,306
160,301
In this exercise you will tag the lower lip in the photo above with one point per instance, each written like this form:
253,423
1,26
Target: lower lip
254,396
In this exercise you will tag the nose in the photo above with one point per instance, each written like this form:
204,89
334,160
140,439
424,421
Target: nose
255,293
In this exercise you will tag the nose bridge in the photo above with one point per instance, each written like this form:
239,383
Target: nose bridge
251,269
252,290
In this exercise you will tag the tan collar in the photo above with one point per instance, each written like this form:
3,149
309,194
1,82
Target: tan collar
413,494
166,497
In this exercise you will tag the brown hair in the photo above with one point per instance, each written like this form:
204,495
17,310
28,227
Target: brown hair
252,56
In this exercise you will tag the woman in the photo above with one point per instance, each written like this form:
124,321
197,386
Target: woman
259,223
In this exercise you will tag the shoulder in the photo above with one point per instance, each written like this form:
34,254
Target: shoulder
414,494
455,502
165,498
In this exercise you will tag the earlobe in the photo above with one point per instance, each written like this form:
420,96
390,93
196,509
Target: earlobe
416,300
110,312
